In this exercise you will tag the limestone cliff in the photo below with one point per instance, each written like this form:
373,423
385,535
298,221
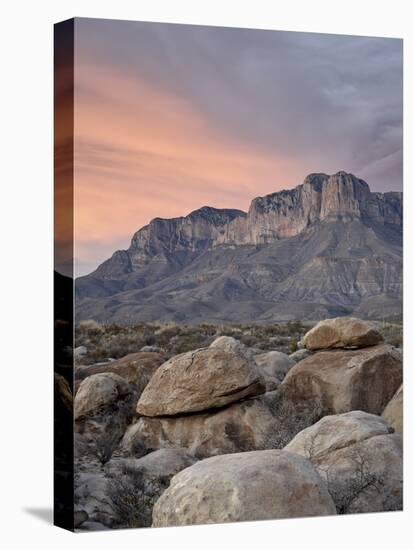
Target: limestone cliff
328,246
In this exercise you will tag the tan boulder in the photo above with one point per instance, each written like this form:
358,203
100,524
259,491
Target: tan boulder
244,487
203,379
361,461
336,432
346,380
342,332
135,368
393,413
99,391
241,426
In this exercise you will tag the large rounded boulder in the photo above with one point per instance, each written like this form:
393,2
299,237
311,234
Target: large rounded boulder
244,487
206,378
346,380
360,459
342,332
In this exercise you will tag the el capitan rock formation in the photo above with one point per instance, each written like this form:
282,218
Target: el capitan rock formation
329,247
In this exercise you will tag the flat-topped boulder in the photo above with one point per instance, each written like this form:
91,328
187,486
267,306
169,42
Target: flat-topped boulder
342,332
247,486
360,459
199,380
346,380
393,413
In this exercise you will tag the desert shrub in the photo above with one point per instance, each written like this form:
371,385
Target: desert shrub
392,334
291,418
104,444
249,340
292,345
346,490
133,494
90,327
115,341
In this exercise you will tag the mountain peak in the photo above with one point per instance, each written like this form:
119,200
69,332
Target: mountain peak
292,251
321,198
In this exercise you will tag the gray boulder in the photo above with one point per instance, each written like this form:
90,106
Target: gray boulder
360,459
275,364
244,487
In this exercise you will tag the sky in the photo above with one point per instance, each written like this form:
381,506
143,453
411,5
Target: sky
169,118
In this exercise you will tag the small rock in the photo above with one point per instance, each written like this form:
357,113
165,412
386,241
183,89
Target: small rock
300,354
79,352
275,364
152,349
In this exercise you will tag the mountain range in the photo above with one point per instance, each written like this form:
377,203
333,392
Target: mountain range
328,247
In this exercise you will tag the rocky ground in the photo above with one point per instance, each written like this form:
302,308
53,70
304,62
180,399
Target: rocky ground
229,430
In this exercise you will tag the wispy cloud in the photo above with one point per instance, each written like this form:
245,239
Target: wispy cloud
172,117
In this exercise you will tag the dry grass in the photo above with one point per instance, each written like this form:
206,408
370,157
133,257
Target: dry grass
114,341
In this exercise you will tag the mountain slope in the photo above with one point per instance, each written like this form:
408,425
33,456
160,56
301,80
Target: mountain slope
328,247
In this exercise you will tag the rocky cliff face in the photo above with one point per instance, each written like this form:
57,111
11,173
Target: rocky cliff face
329,243
320,198
165,237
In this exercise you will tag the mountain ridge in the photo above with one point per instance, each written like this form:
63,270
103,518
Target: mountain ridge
170,265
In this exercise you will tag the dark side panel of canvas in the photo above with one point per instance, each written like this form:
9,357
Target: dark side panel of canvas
63,273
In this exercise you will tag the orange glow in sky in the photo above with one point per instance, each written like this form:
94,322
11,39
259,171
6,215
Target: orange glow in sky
141,153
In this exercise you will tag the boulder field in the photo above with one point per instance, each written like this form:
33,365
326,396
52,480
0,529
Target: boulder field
229,433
